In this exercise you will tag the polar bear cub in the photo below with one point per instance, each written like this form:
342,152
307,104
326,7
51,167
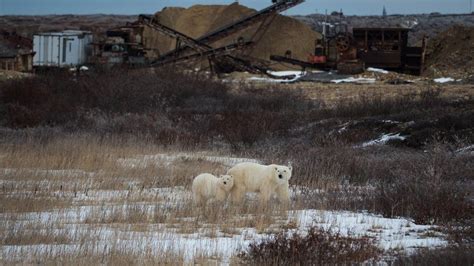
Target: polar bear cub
268,180
207,186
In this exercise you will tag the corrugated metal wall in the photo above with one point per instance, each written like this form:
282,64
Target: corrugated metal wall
63,49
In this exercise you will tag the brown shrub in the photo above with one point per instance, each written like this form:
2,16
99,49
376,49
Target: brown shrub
318,247
429,187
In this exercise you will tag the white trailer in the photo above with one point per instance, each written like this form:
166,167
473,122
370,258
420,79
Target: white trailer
68,48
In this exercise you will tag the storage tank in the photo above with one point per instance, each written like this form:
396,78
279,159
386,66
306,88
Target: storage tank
68,48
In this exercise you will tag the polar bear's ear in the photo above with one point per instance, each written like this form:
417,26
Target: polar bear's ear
290,166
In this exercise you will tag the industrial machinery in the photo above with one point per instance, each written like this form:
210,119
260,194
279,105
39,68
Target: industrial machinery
219,56
350,53
388,48
319,56
126,45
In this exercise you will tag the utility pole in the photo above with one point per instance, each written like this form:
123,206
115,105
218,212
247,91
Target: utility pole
470,6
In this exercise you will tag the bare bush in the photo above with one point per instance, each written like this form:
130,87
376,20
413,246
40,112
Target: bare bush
193,110
430,188
58,99
318,247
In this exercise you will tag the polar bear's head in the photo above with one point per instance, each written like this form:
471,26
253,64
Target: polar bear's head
226,182
282,173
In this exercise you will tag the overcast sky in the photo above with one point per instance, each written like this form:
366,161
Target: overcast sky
358,7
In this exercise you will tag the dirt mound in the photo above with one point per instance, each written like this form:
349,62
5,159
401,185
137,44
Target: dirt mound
283,33
451,53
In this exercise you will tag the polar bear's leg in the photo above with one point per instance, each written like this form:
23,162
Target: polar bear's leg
237,195
283,195
197,199
265,195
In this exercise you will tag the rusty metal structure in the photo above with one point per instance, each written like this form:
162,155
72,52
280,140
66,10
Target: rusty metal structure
350,53
388,48
126,45
122,45
220,57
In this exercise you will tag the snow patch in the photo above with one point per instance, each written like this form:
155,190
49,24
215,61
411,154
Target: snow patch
377,70
286,73
466,150
443,80
390,233
384,139
270,80
296,76
354,80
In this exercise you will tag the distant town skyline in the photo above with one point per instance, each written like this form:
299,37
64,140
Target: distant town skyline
132,7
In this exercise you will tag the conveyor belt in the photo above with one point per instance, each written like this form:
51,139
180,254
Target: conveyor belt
200,45
202,49
239,25
296,62
183,38
250,20
209,53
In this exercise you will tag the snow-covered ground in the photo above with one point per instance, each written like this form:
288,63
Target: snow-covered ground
98,221
205,239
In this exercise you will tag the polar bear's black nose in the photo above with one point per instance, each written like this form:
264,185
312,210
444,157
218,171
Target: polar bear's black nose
280,176
225,183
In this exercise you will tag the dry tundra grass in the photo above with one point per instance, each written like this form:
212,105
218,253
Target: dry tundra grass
84,200
109,195
108,189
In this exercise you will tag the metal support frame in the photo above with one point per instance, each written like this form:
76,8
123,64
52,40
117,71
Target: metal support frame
229,29
212,53
185,42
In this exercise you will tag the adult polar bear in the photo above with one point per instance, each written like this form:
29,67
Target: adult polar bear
268,180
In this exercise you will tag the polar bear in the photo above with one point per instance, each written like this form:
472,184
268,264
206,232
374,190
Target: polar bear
268,180
207,186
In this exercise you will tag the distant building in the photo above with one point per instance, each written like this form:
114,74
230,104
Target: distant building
68,48
384,12
16,52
